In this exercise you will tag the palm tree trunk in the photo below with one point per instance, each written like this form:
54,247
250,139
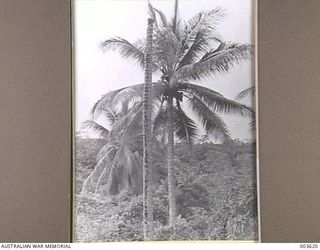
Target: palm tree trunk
175,16
147,161
170,162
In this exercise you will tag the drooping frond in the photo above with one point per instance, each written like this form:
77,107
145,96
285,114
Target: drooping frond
217,102
185,128
159,121
189,40
135,172
114,176
163,18
125,48
219,60
96,127
252,124
104,102
212,122
89,184
246,92
116,98
153,13
135,92
129,125
110,115
118,168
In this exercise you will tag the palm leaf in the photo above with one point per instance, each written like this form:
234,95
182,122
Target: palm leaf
107,177
216,61
217,102
212,122
165,47
134,93
104,103
210,19
125,48
153,11
198,47
185,128
98,128
152,14
199,34
135,170
160,119
89,184
129,125
110,115
187,44
244,93
162,17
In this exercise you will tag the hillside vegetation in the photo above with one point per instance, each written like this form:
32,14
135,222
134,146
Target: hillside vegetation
216,196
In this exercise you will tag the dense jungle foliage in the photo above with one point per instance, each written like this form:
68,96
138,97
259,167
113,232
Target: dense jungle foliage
216,196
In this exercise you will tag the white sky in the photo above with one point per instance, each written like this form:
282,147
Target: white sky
97,72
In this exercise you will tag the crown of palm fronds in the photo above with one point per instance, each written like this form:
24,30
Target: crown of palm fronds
183,52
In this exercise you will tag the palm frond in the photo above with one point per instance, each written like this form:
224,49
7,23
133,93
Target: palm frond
165,47
211,19
196,49
129,125
106,182
105,150
190,39
199,34
246,92
96,127
104,103
110,115
136,172
162,17
89,184
219,60
185,128
212,122
115,98
159,121
135,92
153,13
217,102
252,124
125,48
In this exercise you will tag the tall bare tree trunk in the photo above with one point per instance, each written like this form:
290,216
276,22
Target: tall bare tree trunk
147,160
175,16
170,162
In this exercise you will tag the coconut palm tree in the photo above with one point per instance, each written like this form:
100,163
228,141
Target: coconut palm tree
119,161
182,54
147,137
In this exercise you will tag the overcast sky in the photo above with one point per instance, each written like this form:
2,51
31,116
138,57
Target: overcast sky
97,72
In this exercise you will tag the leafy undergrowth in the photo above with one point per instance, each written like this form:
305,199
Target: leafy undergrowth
216,198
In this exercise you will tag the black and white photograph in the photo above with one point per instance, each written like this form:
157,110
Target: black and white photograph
165,145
